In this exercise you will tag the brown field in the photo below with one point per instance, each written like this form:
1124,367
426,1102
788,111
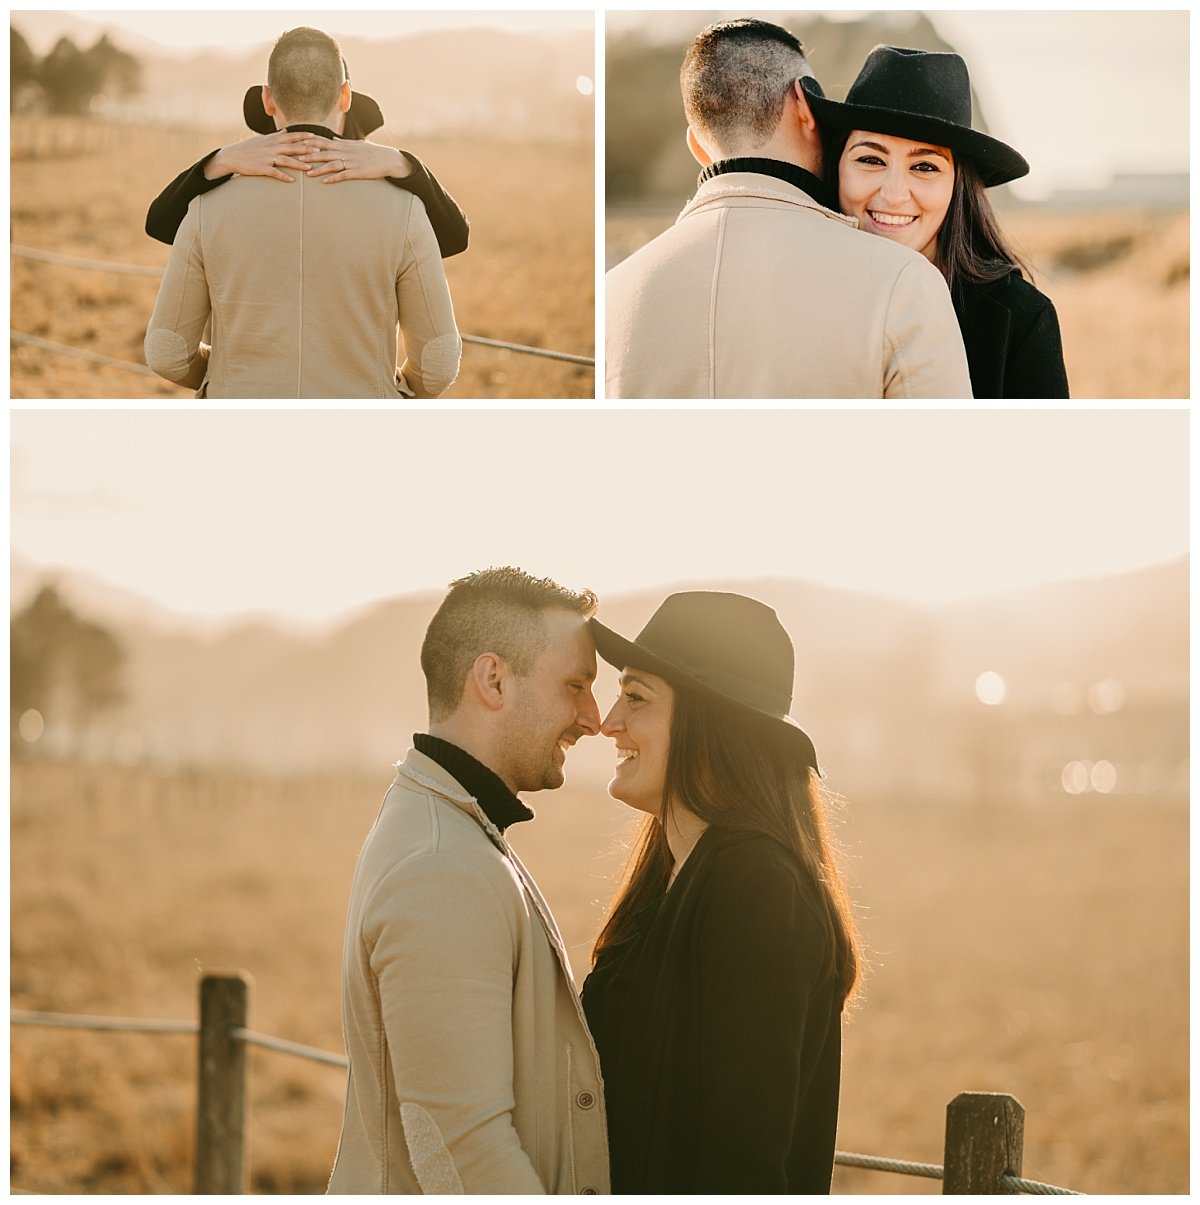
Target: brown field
528,276
1119,280
1041,952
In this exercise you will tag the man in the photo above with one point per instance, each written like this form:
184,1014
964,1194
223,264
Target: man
305,284
471,1067
759,289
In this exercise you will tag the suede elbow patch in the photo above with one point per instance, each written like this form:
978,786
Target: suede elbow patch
167,354
431,1161
440,358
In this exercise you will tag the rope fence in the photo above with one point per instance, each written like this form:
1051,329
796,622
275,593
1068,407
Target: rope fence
99,265
984,1130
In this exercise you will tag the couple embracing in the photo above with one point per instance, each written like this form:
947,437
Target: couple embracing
704,1054
770,283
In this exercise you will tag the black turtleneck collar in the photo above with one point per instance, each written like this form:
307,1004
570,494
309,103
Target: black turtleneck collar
499,804
308,127
788,172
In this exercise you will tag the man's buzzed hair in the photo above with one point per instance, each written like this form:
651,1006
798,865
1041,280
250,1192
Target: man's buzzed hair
491,611
305,73
735,76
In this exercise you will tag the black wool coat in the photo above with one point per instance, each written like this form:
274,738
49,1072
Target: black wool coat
1010,331
719,1031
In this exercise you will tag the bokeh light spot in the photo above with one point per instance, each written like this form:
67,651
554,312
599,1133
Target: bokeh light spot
1104,777
1075,778
584,85
1105,697
990,688
31,726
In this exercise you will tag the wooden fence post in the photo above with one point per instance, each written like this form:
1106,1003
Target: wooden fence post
984,1135
221,1095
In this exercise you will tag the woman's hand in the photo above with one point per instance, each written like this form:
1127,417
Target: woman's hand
352,159
259,155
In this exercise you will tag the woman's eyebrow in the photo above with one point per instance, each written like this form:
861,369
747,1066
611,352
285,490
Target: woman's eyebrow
627,677
928,150
874,146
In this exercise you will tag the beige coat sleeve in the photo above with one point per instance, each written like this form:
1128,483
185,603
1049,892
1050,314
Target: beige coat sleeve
924,356
445,983
173,347
432,347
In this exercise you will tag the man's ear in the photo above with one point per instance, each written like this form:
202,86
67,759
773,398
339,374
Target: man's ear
268,104
694,145
803,113
344,98
491,680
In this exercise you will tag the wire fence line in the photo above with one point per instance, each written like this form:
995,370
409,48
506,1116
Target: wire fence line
935,1171
248,1037
877,1163
115,1024
93,357
100,265
283,1046
1036,1188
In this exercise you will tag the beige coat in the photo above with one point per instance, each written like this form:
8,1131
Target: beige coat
757,291
471,1066
305,283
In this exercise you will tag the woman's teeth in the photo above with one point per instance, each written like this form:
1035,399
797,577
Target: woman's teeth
892,219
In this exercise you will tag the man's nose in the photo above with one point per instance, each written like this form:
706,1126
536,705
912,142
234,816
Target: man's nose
588,717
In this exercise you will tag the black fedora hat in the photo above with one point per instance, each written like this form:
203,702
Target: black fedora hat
922,95
362,118
725,645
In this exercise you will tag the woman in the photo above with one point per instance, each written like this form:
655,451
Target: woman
350,157
716,996
906,163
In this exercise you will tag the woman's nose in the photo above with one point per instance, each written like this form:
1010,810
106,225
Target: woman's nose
612,722
894,188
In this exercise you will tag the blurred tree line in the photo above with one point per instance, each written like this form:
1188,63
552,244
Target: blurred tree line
68,80
65,672
646,158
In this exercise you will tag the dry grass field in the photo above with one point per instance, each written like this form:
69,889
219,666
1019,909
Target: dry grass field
528,276
1038,952
1118,279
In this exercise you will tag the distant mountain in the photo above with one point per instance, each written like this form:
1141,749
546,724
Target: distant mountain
884,688
480,82
90,596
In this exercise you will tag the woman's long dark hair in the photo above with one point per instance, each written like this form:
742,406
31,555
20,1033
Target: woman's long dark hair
735,770
971,249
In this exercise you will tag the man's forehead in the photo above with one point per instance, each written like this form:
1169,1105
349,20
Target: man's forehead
570,640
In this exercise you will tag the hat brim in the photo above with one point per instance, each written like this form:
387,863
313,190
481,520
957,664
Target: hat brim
363,117
996,161
623,654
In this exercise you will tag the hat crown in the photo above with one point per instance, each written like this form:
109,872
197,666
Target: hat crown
928,83
733,644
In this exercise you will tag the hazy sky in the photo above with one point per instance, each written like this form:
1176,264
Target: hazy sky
1079,94
194,30
310,514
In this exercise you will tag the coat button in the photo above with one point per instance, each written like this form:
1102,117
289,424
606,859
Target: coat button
585,1100
588,1192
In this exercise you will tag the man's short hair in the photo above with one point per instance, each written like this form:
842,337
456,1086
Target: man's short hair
305,73
490,611
735,77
